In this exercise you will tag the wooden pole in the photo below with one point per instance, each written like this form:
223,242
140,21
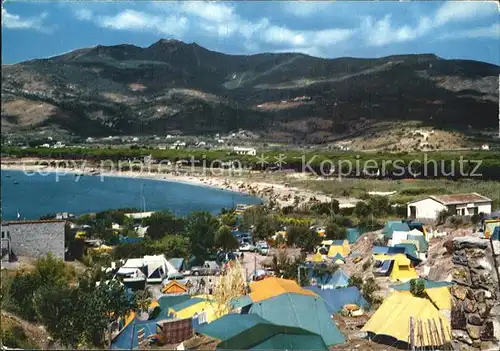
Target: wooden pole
441,342
412,334
431,333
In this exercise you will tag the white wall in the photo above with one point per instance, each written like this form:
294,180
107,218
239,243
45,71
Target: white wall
426,208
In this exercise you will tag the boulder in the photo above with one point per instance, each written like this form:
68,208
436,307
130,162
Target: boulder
459,291
458,317
469,242
469,306
487,332
475,319
461,276
462,336
474,331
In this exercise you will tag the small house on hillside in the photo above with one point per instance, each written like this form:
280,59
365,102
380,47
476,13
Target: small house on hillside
459,204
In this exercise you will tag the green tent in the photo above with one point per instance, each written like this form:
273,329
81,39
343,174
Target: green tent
166,302
251,332
301,311
394,226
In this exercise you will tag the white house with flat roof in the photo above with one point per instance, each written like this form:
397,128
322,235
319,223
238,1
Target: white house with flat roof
245,150
460,204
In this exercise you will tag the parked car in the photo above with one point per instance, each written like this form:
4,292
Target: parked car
246,247
208,268
263,248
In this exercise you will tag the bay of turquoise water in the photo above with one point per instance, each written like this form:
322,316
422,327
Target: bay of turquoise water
37,195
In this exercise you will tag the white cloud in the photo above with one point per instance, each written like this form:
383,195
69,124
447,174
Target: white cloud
299,39
305,8
136,20
464,10
492,31
209,10
84,14
382,32
12,21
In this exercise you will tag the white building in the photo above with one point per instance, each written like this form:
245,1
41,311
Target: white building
245,151
459,204
485,147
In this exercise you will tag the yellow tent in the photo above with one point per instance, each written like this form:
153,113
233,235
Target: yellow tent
392,320
317,257
441,297
339,247
197,305
401,269
271,287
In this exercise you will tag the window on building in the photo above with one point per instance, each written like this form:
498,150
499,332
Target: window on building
3,235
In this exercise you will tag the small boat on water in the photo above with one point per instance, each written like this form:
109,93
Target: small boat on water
16,183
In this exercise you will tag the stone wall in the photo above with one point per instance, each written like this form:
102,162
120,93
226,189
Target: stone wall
475,314
36,238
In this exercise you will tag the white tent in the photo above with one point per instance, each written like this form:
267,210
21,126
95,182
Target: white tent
158,268
398,237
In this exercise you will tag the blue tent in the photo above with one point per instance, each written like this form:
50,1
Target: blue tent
353,235
336,299
337,256
128,338
496,234
339,279
301,311
380,250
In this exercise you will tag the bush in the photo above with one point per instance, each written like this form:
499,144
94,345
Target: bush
14,336
443,216
356,281
366,265
456,221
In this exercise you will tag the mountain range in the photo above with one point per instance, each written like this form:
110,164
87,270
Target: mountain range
176,86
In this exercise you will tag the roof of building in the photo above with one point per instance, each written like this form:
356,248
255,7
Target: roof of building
270,287
456,199
392,319
250,331
336,299
302,311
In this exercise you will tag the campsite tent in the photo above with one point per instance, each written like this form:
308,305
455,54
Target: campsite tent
327,280
252,332
401,267
337,259
438,292
392,226
132,335
318,257
496,234
336,299
174,287
390,324
271,287
301,311
339,246
353,235
178,263
196,305
165,302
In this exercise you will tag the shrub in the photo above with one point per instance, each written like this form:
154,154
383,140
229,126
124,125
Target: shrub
366,265
456,221
356,281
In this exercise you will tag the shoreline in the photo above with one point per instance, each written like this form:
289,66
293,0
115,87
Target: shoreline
280,194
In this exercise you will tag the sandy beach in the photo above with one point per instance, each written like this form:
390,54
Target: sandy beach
281,194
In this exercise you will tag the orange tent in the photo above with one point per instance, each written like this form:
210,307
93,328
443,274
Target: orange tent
271,287
174,287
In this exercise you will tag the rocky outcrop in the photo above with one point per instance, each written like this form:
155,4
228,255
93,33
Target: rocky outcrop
475,314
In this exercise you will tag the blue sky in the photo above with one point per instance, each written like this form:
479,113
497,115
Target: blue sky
457,29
